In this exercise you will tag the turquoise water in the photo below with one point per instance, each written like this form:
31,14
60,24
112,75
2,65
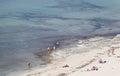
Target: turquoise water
27,26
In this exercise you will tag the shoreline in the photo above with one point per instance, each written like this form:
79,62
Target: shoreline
79,60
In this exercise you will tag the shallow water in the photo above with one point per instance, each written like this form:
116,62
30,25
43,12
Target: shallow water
27,26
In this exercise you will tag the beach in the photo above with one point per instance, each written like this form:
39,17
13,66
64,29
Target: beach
28,27
79,60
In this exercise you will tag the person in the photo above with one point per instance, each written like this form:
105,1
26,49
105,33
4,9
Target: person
101,61
111,51
54,48
29,65
65,66
57,44
48,49
94,68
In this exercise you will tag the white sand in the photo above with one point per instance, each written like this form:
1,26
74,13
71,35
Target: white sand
80,62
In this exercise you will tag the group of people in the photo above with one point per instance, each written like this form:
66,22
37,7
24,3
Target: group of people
49,50
53,48
110,52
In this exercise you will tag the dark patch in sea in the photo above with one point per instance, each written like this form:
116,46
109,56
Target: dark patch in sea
73,5
100,22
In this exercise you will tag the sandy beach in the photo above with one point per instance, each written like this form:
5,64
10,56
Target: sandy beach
66,63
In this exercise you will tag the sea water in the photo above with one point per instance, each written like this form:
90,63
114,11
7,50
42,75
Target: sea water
28,26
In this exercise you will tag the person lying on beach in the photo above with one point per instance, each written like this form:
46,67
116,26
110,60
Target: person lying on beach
65,66
94,68
101,61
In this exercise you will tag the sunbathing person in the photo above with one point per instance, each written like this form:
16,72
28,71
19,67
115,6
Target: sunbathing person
94,68
101,61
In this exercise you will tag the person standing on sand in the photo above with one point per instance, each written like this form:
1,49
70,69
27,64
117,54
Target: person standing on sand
111,51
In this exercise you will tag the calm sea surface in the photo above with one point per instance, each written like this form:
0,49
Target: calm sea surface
27,26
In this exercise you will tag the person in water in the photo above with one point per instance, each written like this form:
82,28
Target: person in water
57,44
49,50
29,65
54,48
